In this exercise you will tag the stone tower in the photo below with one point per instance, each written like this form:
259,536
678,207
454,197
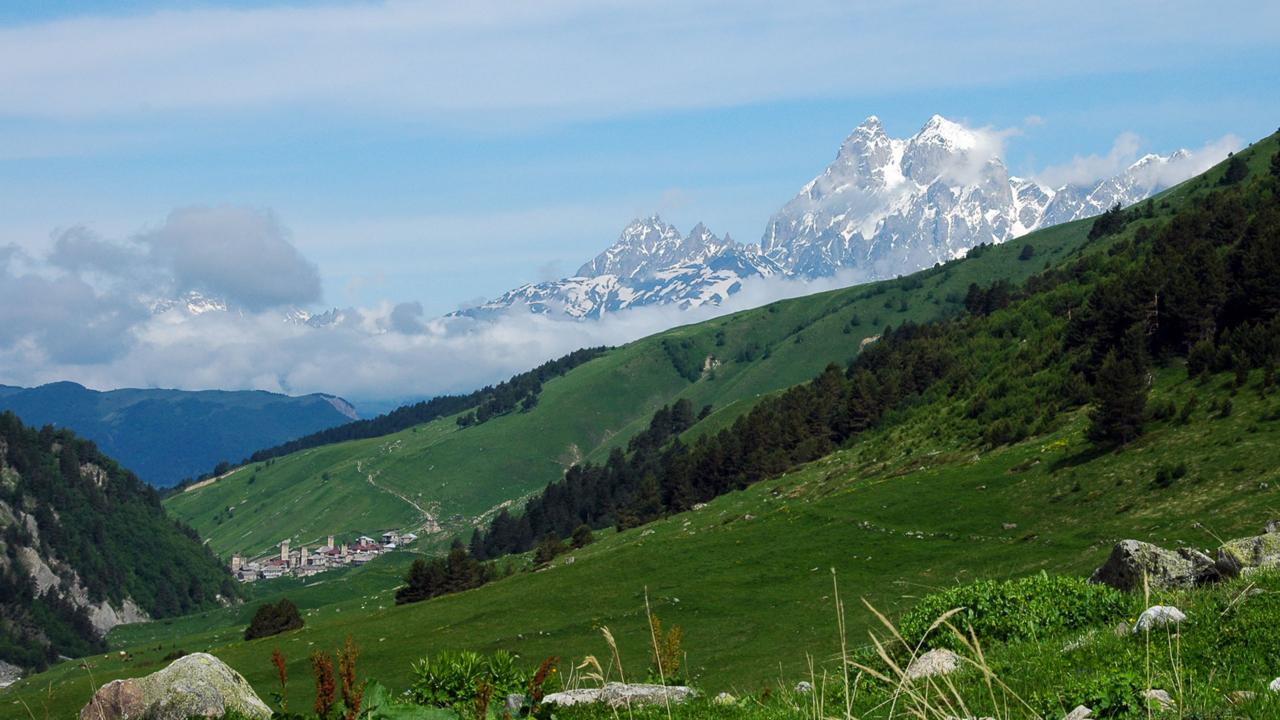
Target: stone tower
284,551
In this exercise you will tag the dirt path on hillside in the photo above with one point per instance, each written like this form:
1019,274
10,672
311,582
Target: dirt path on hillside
429,523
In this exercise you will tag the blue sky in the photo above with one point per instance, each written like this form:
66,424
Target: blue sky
416,195
447,151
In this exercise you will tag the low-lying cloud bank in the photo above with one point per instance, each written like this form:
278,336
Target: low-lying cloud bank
85,311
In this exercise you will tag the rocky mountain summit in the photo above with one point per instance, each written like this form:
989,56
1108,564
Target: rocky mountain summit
883,207
650,264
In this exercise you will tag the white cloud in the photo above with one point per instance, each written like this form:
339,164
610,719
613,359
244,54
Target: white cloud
239,254
1191,164
1088,169
63,321
513,63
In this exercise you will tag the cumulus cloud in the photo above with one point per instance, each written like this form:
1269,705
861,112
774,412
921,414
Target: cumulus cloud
1088,169
239,254
988,143
406,318
62,320
89,299
7,253
1189,164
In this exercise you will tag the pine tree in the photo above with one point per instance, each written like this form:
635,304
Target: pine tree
1237,170
1120,394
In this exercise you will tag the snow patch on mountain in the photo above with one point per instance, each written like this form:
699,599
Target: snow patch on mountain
650,264
883,207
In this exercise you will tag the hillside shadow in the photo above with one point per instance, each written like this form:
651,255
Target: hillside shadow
1080,458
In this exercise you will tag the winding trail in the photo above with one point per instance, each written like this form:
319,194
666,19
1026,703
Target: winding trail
429,523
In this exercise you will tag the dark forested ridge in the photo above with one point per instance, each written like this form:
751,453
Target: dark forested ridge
164,436
1198,284
67,509
521,391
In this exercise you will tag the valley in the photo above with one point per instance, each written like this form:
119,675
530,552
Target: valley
997,468
464,475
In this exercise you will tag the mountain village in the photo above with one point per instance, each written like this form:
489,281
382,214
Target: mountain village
304,562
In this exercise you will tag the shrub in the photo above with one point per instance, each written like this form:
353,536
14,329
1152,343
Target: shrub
582,537
453,679
666,653
352,693
1026,608
547,550
1188,408
1116,695
273,619
1163,410
322,670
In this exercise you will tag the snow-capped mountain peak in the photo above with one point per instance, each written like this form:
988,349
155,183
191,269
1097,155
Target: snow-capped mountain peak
881,208
649,245
192,303
941,131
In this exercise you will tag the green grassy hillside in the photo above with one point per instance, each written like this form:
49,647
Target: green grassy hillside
925,499
438,475
748,576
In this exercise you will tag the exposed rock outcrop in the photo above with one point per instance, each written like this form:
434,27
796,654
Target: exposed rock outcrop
1245,554
1132,560
9,674
194,686
619,695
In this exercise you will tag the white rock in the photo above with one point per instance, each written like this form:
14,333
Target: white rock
1158,616
725,698
1080,713
1274,686
804,687
9,674
620,694
935,662
1161,698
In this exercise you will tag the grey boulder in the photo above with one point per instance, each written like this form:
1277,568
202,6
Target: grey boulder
1260,551
1133,560
194,686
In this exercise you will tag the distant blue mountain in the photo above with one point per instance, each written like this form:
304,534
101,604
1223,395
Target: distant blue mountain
164,436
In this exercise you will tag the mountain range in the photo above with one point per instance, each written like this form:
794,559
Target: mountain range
166,435
883,207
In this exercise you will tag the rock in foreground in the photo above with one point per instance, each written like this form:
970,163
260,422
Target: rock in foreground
936,662
1158,616
620,695
1131,560
194,686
